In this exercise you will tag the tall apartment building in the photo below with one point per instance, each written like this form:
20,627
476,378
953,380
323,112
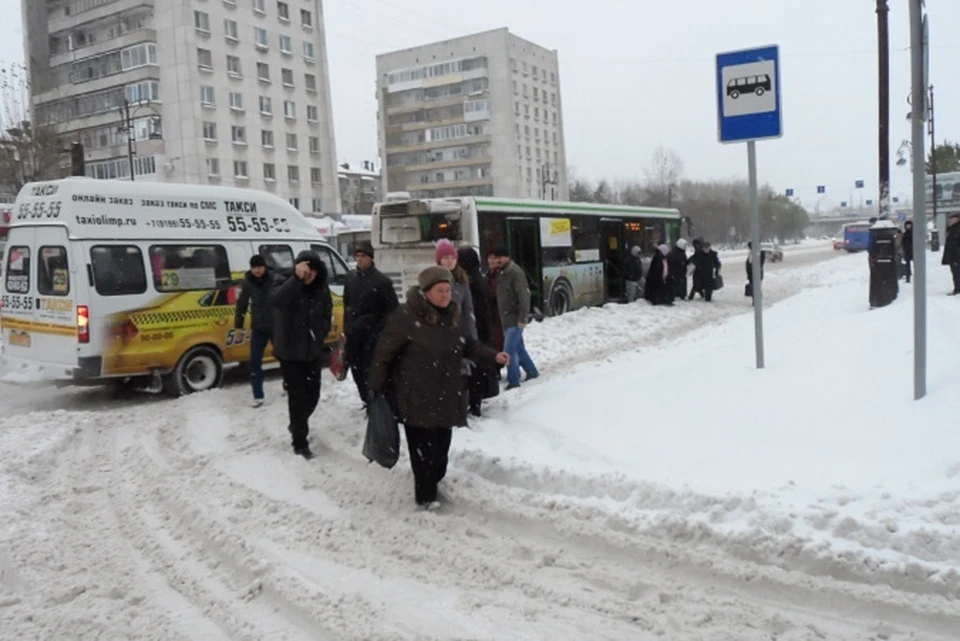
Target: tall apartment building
359,187
479,115
232,92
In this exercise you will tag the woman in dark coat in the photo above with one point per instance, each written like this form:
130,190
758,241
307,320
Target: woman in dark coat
657,289
417,365
482,380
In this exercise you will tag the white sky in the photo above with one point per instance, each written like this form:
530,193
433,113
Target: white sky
639,73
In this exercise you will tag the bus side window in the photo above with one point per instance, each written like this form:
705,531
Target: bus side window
118,270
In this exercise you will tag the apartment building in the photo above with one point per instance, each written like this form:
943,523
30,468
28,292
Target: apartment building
359,187
474,116
232,92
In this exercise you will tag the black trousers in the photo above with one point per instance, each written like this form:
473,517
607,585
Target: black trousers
359,356
429,452
302,382
702,286
955,271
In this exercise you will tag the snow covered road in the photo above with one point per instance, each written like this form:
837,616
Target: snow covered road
190,519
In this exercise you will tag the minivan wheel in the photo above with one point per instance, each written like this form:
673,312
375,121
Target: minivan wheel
734,94
760,91
199,370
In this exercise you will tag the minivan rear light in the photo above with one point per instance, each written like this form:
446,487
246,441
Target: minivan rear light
83,324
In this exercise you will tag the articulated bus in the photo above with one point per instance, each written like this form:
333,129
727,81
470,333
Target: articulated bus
572,252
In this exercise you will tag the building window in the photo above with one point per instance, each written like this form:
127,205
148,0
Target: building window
553,78
286,75
207,96
309,50
261,37
143,91
315,175
317,205
283,11
240,169
293,174
313,113
236,101
513,64
517,105
266,138
536,114
258,7
233,66
289,109
555,138
238,134
230,29
201,21
266,105
314,145
209,131
286,45
295,202
554,117
213,166
205,59
536,95
311,82
306,18
269,172
525,94
515,89
292,142
263,72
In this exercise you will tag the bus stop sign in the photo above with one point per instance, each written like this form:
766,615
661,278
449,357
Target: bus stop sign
748,95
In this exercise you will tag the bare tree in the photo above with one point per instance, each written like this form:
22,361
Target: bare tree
663,174
29,151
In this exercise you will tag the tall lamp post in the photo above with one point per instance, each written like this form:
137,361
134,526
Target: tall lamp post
883,51
127,113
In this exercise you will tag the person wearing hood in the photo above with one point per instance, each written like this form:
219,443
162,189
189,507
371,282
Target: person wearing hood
255,297
302,318
906,242
417,366
657,290
633,273
677,263
748,290
706,269
368,298
482,380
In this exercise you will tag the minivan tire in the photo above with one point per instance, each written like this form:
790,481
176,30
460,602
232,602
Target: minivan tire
759,91
199,370
734,94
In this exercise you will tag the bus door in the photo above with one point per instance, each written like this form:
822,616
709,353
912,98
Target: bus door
613,256
523,243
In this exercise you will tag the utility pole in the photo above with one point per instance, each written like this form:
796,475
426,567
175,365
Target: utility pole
883,42
917,115
933,169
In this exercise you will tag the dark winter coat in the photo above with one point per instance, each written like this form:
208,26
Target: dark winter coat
479,292
657,290
749,264
496,325
951,245
464,300
706,266
255,295
302,317
632,268
368,299
417,363
513,296
677,277
906,244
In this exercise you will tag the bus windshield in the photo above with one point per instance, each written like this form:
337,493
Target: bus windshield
415,223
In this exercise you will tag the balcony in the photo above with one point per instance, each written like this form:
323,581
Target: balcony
452,142
106,46
67,90
453,184
64,22
426,124
448,101
447,164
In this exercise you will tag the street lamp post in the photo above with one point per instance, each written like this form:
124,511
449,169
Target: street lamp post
883,51
126,126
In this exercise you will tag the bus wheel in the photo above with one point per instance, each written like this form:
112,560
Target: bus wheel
561,298
199,370
760,91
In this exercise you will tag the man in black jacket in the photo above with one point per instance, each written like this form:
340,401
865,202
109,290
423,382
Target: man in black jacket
255,296
951,251
302,318
906,246
368,298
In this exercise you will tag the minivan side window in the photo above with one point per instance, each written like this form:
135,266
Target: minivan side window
18,270
278,257
336,269
184,268
53,272
118,270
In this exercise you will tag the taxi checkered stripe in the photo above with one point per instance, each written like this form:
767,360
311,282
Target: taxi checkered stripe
156,318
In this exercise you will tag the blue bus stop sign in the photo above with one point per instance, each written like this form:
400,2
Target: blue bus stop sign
843,204
869,202
821,189
789,193
859,184
748,95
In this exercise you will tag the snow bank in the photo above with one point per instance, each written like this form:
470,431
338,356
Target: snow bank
822,462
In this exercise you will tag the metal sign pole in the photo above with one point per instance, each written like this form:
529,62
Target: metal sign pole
918,115
755,252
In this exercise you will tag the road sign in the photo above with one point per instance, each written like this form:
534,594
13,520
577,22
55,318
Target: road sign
902,216
748,95
859,184
843,204
869,202
895,199
789,193
821,189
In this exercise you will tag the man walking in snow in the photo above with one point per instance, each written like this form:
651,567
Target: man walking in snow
302,319
255,296
951,251
633,273
368,298
513,302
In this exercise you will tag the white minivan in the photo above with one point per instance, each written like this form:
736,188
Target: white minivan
106,280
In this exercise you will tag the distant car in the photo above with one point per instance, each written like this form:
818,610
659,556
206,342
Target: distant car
837,244
773,252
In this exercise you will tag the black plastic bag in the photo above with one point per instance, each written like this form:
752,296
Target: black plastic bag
748,290
382,442
718,282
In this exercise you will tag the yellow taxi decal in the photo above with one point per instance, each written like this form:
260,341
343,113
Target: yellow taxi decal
179,316
39,328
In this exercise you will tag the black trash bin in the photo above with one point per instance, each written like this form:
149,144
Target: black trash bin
884,287
935,241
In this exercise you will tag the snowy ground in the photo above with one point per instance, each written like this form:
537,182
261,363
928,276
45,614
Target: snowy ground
634,492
